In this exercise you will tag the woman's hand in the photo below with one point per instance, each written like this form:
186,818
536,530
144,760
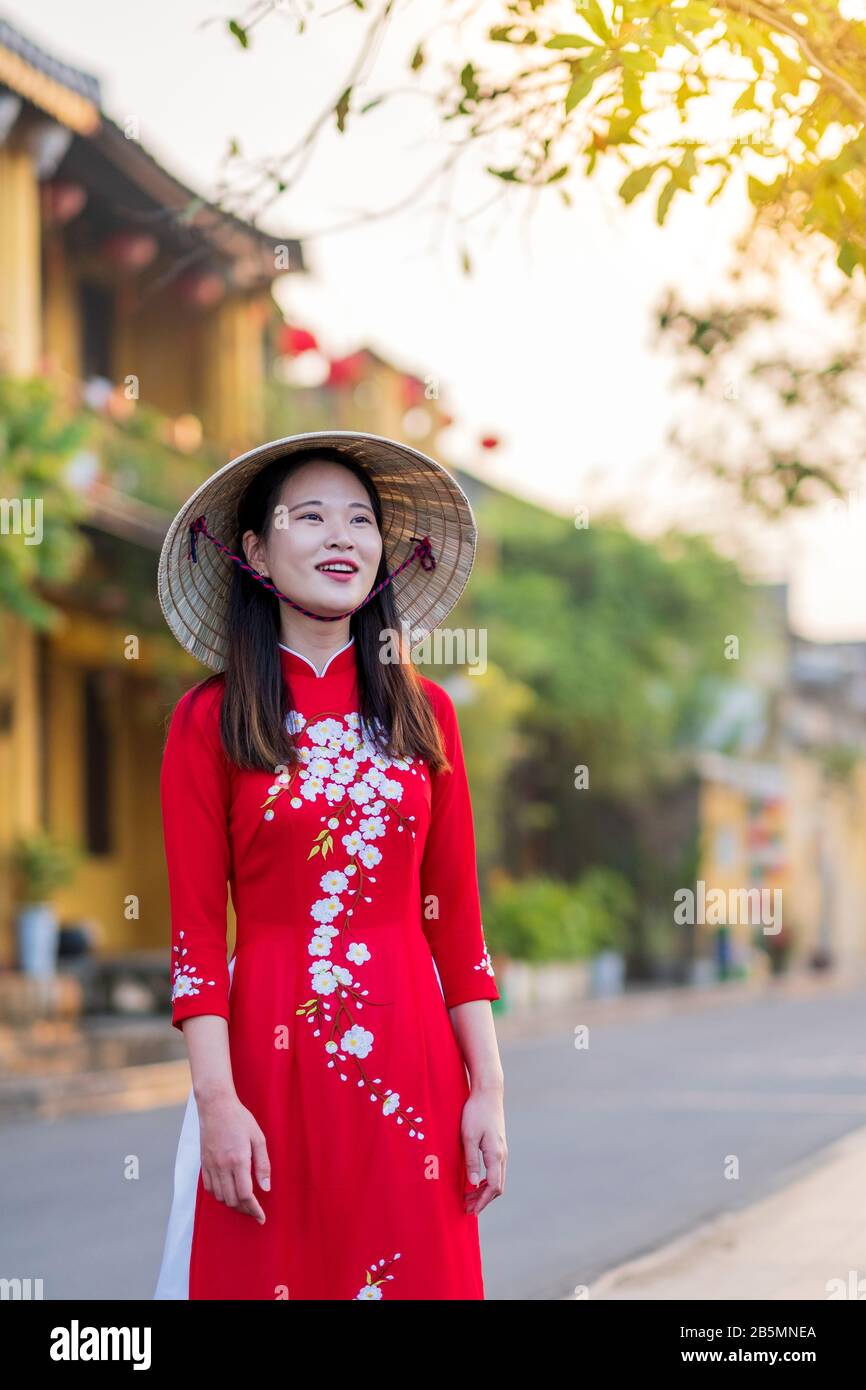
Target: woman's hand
482,1131
233,1149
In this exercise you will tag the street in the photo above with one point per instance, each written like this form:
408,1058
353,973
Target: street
612,1150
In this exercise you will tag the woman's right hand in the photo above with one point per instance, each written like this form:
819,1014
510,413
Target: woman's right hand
233,1151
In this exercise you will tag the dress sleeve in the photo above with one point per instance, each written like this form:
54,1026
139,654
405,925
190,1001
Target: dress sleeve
194,792
450,903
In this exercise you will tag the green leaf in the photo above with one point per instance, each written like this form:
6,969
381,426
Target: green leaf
239,33
636,182
570,41
580,87
847,258
763,192
591,12
632,95
746,99
468,82
505,33
641,61
685,171
342,109
665,197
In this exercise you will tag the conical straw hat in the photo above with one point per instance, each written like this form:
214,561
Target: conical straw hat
419,498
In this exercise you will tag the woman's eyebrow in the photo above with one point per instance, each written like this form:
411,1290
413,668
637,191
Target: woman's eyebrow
317,502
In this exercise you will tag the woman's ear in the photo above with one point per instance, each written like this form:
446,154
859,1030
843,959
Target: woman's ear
253,548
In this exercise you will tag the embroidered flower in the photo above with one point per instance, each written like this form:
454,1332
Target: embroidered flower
372,827
185,979
371,1291
357,1041
360,792
485,963
334,881
311,787
326,909
324,982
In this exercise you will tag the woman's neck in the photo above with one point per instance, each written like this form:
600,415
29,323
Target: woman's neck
317,647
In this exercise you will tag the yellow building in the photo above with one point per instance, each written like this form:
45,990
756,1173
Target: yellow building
131,294
745,889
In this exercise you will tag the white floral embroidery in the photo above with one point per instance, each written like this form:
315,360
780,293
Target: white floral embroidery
485,963
186,979
349,771
371,1290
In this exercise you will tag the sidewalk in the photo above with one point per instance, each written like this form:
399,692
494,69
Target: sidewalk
806,1241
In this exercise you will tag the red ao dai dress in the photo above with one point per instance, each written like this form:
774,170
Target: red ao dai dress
355,889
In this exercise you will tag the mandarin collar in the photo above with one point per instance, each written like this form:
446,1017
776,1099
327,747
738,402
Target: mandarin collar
295,664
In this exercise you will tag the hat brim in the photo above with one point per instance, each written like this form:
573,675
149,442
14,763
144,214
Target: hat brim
419,498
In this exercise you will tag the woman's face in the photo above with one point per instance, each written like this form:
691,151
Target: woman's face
323,517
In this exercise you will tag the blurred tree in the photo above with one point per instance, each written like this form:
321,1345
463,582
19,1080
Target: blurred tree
780,419
615,647
40,541
681,95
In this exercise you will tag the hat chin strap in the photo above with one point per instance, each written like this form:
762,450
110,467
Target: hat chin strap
423,551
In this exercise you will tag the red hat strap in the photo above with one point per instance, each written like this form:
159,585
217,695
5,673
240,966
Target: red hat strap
423,551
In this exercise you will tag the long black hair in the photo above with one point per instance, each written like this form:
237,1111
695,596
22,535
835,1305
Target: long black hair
394,707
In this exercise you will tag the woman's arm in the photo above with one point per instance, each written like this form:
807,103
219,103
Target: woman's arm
233,1146
451,919
195,797
483,1124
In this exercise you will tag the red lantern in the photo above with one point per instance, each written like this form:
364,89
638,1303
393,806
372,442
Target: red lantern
203,289
291,341
130,250
413,391
61,201
346,371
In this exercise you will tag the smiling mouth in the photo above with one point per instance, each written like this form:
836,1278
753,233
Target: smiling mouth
342,570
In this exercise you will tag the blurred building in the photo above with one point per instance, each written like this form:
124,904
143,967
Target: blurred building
783,797
151,313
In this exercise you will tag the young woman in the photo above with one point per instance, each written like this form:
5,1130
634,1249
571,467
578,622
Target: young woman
333,1142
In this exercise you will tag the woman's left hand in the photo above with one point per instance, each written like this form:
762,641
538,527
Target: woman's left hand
482,1132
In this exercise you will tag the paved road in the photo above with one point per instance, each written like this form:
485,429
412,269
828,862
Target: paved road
613,1149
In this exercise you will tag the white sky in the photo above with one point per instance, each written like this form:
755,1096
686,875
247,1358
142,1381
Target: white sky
545,345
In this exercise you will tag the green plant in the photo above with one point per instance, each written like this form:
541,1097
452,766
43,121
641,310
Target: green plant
609,902
544,919
42,863
38,438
